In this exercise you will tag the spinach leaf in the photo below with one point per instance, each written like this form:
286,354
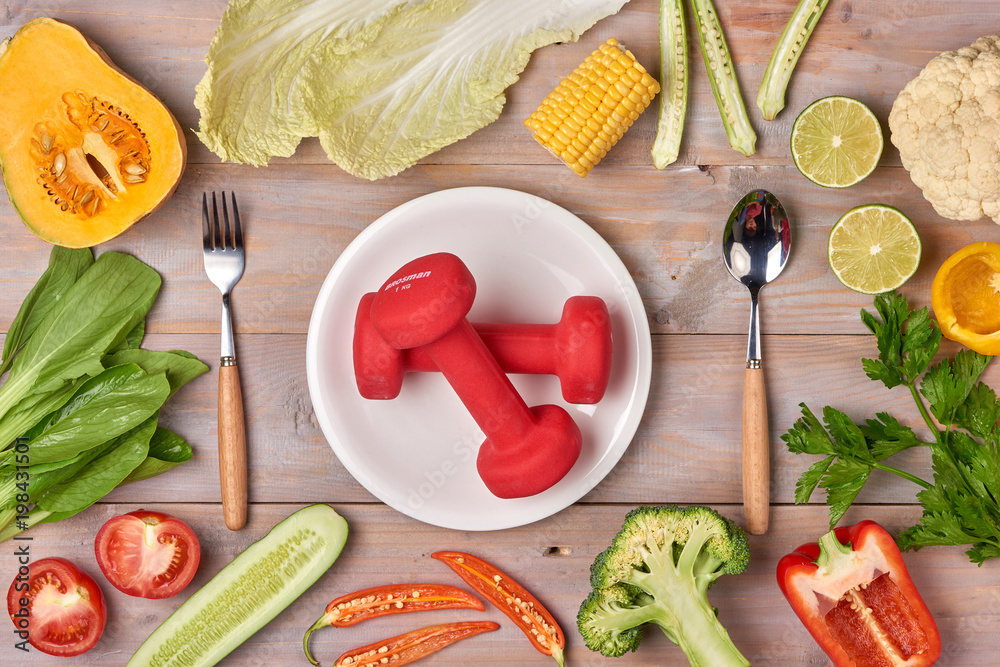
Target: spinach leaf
94,315
132,340
65,268
103,408
102,474
179,367
167,450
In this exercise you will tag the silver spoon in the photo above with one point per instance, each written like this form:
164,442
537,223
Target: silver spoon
755,246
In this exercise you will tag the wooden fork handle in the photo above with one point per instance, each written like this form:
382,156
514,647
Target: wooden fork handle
756,452
232,446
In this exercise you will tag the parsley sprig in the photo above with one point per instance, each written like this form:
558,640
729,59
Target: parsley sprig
962,505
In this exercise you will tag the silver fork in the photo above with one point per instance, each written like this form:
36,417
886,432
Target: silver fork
224,263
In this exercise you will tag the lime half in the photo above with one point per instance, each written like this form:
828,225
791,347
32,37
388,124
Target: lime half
873,248
836,142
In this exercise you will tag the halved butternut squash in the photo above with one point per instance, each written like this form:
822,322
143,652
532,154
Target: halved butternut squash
86,151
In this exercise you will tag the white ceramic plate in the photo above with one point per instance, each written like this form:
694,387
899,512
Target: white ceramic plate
417,452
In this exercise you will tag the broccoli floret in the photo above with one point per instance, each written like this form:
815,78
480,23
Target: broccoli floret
657,571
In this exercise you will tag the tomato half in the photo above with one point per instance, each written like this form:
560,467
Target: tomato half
57,606
147,554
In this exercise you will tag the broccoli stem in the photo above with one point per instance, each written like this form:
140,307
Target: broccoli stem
682,608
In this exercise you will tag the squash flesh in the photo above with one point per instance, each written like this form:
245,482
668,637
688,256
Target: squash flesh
86,151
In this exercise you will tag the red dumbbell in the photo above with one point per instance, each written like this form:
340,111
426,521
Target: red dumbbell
577,349
526,450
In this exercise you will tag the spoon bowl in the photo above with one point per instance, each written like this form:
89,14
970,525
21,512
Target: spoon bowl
755,246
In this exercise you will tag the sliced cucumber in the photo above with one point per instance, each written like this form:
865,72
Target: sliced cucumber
248,592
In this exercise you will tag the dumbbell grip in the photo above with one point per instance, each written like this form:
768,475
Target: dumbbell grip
519,348
480,382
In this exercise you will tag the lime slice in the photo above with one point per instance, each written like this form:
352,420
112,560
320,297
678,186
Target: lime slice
836,142
873,248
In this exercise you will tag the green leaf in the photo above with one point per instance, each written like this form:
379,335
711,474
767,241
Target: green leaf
907,341
103,473
886,436
65,268
382,83
31,409
920,343
96,313
844,480
808,480
947,385
132,340
847,438
43,476
180,367
104,407
808,436
979,412
167,450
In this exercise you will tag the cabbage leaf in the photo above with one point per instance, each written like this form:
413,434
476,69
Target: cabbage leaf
382,83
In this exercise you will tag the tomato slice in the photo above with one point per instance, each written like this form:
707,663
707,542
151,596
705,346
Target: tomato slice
147,554
57,606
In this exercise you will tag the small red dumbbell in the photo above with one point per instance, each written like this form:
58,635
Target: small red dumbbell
424,304
577,349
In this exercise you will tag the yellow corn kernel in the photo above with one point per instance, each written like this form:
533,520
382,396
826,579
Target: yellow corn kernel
589,111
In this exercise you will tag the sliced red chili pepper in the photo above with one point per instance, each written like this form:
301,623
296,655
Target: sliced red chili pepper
511,598
406,648
853,593
378,601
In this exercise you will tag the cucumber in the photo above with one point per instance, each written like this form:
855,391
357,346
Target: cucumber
248,592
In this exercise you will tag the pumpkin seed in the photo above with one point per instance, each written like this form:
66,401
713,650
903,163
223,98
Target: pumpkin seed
135,169
131,178
59,164
87,196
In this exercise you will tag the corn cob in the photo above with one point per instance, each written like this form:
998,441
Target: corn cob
589,111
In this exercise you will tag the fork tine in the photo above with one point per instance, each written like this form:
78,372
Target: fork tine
206,225
216,241
236,222
227,238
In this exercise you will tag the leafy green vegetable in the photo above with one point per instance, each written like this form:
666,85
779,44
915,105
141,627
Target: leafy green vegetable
167,450
82,399
65,268
178,366
104,407
95,314
382,83
962,505
102,475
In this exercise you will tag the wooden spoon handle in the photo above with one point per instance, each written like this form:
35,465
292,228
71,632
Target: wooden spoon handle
756,452
232,448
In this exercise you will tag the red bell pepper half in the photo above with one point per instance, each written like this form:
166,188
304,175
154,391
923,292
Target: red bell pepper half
853,593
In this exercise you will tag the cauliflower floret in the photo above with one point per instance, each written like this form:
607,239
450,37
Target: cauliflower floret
946,125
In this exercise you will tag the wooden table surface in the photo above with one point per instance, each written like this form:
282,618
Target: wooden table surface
666,226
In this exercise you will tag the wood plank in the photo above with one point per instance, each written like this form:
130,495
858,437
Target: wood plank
551,558
299,218
687,448
163,45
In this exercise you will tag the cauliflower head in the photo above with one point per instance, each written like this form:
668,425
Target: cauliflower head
946,125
